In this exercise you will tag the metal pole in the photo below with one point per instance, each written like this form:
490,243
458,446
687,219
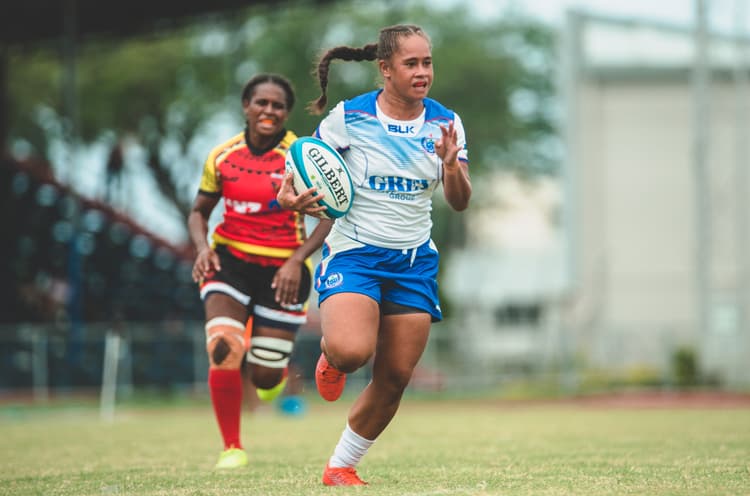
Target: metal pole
742,86
39,369
701,176
570,67
108,393
70,130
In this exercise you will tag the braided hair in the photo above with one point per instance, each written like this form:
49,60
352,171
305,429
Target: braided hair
387,45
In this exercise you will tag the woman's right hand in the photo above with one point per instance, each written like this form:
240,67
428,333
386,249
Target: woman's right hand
306,202
206,264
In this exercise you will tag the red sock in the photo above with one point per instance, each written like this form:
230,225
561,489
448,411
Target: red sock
226,395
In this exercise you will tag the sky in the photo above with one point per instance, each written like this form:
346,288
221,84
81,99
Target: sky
721,13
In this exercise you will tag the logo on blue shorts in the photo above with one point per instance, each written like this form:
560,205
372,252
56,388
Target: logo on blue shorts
333,280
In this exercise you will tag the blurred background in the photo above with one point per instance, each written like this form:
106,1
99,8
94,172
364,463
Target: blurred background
606,246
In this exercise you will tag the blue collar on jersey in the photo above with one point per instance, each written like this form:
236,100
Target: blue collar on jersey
366,103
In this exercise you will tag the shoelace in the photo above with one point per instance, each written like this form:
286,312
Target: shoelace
331,375
344,475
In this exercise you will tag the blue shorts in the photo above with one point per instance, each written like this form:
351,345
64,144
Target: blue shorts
402,277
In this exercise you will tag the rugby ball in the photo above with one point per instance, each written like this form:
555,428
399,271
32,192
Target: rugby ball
314,163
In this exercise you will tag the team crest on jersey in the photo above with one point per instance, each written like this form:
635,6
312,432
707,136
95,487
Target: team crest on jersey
428,144
333,280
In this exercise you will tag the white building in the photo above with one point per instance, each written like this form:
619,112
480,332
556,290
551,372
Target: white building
657,183
656,205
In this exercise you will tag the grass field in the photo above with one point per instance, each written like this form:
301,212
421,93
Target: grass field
472,447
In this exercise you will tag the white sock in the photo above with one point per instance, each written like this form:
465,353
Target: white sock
350,449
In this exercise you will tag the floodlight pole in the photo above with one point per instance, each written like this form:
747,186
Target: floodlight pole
571,62
742,93
701,176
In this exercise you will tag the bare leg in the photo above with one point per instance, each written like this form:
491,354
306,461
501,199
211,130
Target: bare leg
400,345
350,330
353,330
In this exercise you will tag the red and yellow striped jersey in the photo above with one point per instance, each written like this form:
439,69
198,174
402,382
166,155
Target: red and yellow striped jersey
253,222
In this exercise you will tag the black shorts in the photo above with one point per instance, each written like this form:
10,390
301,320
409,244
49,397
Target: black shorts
250,284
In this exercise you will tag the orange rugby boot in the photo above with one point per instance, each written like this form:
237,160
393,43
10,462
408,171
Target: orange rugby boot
330,381
341,476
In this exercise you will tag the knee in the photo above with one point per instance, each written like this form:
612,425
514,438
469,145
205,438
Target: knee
397,379
345,358
268,357
224,343
264,377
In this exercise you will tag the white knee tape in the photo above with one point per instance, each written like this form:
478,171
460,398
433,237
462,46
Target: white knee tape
269,352
224,322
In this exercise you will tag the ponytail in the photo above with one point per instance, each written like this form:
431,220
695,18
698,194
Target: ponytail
367,52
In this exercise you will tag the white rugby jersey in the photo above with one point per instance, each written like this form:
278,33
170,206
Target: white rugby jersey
394,168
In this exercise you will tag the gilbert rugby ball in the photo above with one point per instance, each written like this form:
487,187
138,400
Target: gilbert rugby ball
315,164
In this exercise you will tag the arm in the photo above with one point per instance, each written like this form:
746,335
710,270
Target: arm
287,278
333,131
456,182
206,260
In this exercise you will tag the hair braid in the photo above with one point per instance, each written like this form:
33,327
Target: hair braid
389,39
367,52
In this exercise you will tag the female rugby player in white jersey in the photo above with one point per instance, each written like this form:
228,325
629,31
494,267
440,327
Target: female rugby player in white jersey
378,276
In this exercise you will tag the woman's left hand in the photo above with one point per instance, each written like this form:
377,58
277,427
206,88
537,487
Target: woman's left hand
286,282
447,147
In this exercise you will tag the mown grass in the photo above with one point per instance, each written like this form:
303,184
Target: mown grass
469,447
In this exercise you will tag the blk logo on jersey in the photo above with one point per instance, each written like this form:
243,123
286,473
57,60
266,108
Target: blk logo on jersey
400,129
